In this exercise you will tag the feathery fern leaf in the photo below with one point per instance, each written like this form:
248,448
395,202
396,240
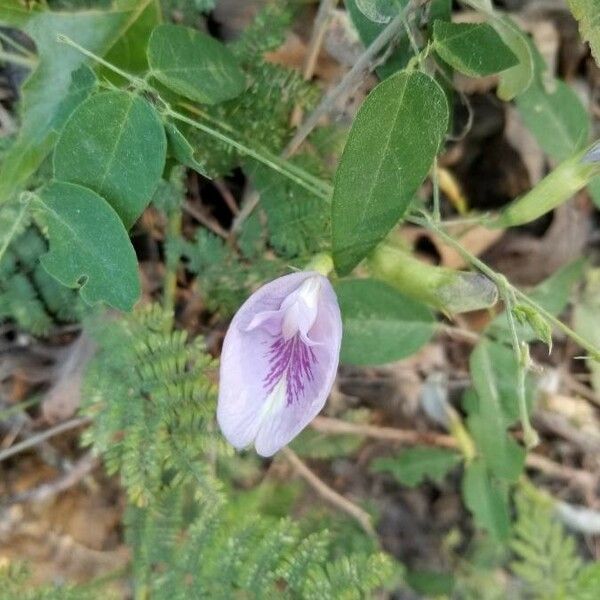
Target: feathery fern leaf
153,402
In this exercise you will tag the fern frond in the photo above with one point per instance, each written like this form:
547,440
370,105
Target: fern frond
153,402
545,556
224,281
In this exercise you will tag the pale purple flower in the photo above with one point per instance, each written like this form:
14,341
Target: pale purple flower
279,361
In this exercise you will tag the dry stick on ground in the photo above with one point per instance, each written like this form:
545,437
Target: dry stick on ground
329,494
326,8
36,439
203,220
351,80
547,466
83,467
227,195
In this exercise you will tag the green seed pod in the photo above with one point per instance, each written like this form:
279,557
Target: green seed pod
446,289
557,187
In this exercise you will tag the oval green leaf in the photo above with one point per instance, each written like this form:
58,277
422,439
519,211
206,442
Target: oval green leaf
194,64
473,49
390,149
114,144
89,247
380,324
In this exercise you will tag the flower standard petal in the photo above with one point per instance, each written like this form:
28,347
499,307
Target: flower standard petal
279,361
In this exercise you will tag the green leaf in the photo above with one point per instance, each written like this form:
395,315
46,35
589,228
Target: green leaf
493,407
587,12
183,151
47,87
411,467
83,84
13,12
494,369
380,324
89,247
130,51
587,583
390,149
487,500
473,49
517,79
123,160
503,457
554,113
194,64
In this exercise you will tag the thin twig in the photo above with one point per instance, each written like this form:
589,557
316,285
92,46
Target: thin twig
579,388
34,440
558,471
465,335
83,467
329,494
227,195
314,46
208,223
538,462
350,81
403,436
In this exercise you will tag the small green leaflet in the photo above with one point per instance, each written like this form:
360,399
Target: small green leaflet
390,149
473,49
487,499
411,467
89,247
194,64
122,160
380,324
183,151
587,12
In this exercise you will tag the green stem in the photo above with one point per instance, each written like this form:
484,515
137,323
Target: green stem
135,81
269,160
18,408
427,223
17,59
521,350
437,214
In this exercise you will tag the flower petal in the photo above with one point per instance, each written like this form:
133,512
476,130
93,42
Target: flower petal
261,396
